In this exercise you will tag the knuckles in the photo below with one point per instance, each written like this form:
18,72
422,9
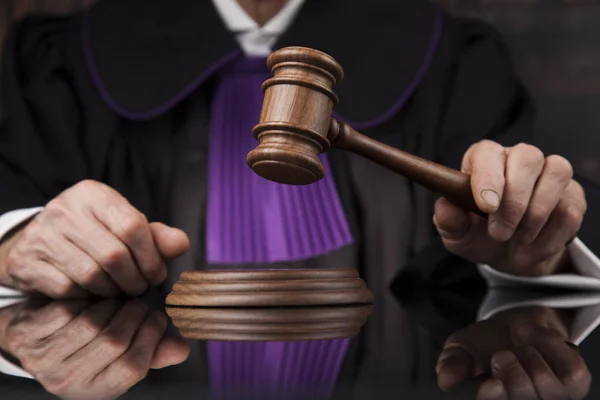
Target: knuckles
132,372
111,344
114,257
513,210
530,155
537,214
131,224
559,167
577,381
571,215
59,383
88,188
486,145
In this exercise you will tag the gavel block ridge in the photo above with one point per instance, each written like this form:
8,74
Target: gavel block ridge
296,125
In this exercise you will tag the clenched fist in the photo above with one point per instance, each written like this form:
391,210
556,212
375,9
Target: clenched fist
98,351
535,208
89,240
520,353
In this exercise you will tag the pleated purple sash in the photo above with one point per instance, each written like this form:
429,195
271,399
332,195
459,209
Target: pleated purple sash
249,219
277,369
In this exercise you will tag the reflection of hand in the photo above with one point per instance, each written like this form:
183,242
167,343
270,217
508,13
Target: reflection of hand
525,352
95,352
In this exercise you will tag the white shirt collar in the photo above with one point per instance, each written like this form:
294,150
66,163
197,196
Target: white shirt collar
256,40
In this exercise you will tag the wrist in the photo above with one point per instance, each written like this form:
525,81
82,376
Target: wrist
6,244
561,264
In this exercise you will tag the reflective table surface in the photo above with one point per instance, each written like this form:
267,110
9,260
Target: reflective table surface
438,344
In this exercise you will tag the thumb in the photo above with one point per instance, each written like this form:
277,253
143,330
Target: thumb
171,242
170,351
455,365
452,223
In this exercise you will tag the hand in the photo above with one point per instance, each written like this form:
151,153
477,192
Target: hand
80,351
523,353
535,208
89,240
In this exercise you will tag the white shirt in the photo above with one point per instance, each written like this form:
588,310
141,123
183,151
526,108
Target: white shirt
258,41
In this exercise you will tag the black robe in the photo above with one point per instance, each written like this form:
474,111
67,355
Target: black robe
105,95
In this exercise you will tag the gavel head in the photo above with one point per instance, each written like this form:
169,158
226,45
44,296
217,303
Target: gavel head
296,115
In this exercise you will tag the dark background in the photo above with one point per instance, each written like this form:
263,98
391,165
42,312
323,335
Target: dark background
555,45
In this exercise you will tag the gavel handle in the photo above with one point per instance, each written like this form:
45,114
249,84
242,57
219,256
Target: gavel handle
451,184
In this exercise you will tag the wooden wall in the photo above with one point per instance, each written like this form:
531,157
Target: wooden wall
555,44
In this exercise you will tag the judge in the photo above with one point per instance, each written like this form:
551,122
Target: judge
126,128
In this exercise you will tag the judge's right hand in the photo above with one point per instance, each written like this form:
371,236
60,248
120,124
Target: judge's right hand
89,241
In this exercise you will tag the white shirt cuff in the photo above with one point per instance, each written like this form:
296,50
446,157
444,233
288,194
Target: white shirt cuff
586,278
8,221
585,284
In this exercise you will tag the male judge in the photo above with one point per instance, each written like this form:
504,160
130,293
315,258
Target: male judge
126,129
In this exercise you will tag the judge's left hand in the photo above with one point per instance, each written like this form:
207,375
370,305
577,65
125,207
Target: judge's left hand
535,208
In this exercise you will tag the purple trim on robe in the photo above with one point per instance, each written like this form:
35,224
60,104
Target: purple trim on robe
251,220
278,369
197,82
433,44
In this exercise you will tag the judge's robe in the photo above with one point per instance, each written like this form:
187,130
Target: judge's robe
121,94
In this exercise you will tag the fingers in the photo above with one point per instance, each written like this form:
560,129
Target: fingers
486,161
547,385
32,326
171,242
110,209
132,229
451,222
492,389
81,330
541,256
112,342
30,274
524,165
106,255
134,364
568,366
507,368
91,240
170,351
76,264
454,366
553,181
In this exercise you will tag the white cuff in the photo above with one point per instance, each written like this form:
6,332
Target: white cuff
585,263
8,296
8,221
8,368
585,284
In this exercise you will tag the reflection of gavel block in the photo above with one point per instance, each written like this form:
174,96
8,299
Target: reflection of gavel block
296,126
270,324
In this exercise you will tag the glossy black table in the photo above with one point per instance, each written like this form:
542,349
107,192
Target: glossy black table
281,353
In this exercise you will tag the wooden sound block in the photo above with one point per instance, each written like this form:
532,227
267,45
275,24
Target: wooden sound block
269,324
269,288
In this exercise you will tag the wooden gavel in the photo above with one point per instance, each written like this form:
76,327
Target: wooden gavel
296,125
